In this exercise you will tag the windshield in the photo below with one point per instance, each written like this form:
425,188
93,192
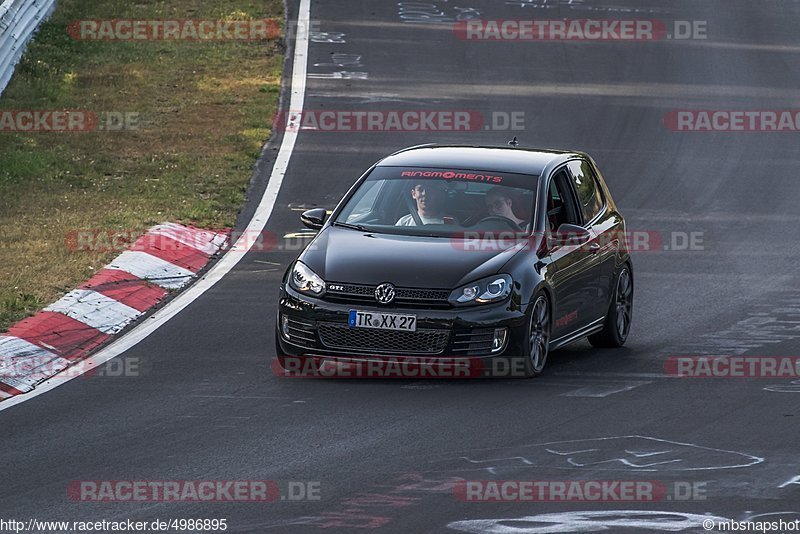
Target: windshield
441,202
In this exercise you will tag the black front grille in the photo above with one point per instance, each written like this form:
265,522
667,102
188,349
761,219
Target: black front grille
339,336
475,342
421,294
353,290
436,298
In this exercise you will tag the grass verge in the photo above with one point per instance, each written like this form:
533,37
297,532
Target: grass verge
196,114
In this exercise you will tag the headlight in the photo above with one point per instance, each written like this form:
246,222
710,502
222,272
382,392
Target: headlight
305,280
492,289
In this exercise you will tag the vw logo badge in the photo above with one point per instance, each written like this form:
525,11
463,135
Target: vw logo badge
384,293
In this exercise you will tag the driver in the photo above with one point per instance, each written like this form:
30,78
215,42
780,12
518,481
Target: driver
499,203
430,200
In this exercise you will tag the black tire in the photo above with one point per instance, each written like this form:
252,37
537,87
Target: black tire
620,313
538,339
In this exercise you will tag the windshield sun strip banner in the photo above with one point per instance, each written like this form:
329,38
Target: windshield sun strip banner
525,181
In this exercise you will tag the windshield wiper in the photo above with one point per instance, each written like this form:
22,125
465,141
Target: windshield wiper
359,227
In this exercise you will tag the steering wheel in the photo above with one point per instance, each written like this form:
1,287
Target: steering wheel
511,224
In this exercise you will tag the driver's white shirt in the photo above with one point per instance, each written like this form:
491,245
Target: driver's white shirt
408,220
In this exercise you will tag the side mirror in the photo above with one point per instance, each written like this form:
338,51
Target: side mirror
571,235
314,219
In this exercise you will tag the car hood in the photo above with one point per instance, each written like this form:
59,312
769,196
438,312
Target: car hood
351,256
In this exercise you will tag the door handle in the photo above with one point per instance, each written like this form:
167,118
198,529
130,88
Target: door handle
594,248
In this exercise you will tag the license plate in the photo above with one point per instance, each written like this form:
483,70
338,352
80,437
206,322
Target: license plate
382,321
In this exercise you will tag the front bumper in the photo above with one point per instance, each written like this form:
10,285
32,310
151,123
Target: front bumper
319,328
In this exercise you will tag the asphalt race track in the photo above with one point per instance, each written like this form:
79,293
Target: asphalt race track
384,453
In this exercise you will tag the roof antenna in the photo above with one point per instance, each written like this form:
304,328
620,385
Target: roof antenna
513,142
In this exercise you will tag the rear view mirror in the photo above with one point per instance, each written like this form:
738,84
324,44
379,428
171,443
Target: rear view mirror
314,219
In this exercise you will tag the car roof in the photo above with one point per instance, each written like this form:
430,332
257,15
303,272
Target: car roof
469,157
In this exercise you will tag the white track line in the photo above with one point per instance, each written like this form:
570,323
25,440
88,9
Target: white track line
229,260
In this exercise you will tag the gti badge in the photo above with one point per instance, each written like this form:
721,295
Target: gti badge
384,293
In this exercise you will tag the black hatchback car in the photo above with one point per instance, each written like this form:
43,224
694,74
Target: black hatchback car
479,253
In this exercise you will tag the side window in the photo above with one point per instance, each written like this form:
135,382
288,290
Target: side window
561,207
589,196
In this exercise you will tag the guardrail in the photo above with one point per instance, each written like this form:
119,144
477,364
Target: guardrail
19,20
